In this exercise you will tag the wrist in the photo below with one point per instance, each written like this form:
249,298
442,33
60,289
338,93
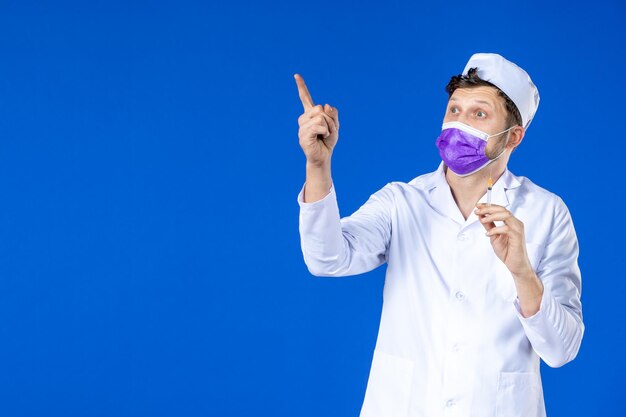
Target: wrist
318,165
318,181
526,276
529,293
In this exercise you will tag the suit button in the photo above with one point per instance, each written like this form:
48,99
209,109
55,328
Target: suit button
450,403
459,296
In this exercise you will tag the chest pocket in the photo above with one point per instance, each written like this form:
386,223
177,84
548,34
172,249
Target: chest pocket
535,253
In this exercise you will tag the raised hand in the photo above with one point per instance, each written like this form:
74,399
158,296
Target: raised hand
319,127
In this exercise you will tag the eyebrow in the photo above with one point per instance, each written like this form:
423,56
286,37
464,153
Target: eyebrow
477,101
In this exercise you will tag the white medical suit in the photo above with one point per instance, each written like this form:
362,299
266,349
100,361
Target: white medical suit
452,340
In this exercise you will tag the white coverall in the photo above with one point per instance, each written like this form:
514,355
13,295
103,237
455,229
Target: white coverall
452,340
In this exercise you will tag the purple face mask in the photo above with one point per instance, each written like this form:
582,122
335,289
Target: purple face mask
462,147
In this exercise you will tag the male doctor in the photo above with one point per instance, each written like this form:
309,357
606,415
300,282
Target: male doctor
479,285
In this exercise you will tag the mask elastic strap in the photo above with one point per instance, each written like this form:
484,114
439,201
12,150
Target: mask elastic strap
504,131
503,150
491,161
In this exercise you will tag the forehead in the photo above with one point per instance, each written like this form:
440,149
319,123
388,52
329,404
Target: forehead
480,95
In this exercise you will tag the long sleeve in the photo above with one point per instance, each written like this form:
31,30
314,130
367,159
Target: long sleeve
556,330
332,246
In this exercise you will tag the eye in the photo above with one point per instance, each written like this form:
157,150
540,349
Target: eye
454,110
481,114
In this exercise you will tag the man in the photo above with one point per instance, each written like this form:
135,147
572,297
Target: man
466,317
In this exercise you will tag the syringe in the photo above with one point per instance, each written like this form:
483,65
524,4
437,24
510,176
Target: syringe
489,187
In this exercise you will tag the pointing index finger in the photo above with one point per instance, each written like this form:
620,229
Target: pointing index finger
305,96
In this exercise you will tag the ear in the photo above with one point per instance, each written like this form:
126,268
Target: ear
516,135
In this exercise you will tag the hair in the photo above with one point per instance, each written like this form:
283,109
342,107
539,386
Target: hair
472,80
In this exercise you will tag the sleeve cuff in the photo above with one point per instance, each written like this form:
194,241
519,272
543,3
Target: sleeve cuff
331,195
545,300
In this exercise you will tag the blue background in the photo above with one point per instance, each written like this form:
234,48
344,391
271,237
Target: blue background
150,260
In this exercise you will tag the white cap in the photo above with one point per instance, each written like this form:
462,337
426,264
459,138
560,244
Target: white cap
509,78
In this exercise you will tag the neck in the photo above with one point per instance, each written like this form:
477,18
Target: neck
468,190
